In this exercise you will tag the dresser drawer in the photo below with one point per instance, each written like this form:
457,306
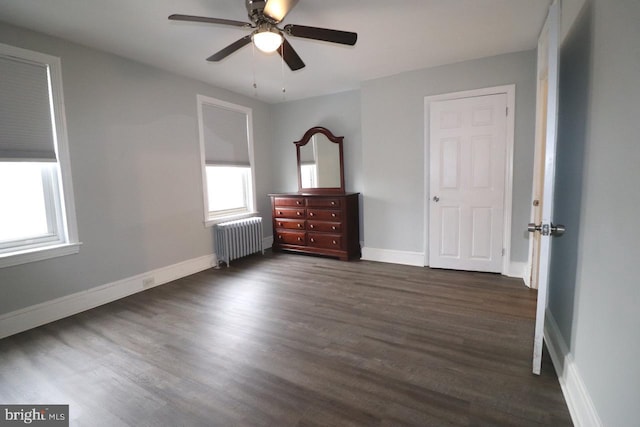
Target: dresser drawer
323,203
324,214
316,223
289,201
292,224
329,241
291,237
323,226
289,212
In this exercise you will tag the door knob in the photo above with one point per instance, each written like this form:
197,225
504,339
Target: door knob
547,229
436,199
557,230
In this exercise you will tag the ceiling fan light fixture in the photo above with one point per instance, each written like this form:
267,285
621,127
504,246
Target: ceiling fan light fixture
267,41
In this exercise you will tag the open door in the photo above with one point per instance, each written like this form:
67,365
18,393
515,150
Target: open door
542,227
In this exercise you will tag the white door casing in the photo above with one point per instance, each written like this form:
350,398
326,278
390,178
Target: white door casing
548,46
468,148
537,187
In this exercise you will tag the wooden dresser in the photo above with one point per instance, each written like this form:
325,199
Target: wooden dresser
323,224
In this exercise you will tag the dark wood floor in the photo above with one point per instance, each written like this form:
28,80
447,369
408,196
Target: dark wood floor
289,340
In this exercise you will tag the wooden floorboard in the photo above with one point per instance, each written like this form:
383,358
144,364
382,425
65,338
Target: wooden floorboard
290,340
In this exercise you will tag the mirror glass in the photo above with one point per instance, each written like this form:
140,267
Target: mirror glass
320,163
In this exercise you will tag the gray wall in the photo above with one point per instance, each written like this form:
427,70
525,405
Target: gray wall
133,140
340,113
594,291
393,146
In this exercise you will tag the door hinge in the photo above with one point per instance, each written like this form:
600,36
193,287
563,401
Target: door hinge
503,251
507,111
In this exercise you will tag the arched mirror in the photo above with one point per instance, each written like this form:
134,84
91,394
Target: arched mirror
320,162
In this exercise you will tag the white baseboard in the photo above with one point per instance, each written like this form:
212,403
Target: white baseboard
581,407
516,269
59,308
393,257
267,242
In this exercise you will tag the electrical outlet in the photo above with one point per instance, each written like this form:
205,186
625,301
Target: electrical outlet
147,282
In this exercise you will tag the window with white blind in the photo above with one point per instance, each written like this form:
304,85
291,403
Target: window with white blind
37,218
226,146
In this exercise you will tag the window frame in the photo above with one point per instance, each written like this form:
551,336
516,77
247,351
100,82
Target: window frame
214,217
67,241
246,189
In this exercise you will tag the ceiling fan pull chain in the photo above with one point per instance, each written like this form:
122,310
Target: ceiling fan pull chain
284,90
253,69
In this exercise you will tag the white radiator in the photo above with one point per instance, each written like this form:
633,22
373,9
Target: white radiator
235,239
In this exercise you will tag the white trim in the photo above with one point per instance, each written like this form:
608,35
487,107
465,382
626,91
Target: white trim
526,275
393,257
59,308
516,269
38,254
267,242
201,100
583,411
510,91
213,221
69,233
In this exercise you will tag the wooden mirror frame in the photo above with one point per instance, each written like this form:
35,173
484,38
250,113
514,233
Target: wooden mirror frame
336,140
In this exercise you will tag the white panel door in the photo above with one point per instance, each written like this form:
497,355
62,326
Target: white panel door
545,170
467,182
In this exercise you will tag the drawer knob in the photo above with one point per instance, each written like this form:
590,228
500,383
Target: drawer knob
312,226
280,213
279,224
299,239
333,215
333,203
334,242
298,202
298,213
313,240
333,227
299,225
311,214
280,237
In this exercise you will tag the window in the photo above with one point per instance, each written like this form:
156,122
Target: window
226,147
37,218
308,175
228,189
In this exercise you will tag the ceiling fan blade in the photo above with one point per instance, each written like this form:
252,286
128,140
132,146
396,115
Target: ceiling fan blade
324,34
290,56
191,18
278,9
220,55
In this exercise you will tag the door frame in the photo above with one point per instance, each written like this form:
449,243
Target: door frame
510,91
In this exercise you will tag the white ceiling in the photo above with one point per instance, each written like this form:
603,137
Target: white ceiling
393,37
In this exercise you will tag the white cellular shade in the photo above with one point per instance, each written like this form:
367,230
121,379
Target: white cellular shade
225,136
307,152
26,131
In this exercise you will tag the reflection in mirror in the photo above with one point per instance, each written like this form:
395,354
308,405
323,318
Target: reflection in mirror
320,163
308,166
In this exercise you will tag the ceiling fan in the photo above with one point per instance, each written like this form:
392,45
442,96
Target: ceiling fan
265,15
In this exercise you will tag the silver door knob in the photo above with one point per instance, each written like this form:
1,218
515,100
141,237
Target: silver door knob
547,229
436,199
557,230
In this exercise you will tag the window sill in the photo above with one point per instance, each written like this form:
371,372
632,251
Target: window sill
213,221
38,254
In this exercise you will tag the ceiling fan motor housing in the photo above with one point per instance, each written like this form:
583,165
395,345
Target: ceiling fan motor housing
255,9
